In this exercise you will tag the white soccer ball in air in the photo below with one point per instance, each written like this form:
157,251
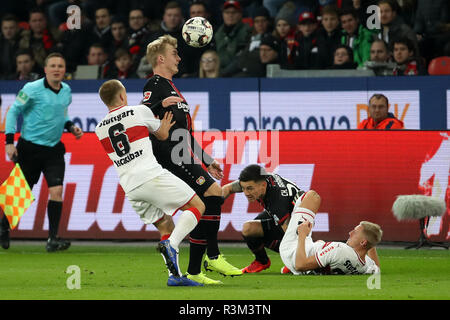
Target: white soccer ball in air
197,32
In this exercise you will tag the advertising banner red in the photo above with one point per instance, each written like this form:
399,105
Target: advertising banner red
358,174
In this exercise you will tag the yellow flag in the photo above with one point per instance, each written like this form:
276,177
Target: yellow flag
15,196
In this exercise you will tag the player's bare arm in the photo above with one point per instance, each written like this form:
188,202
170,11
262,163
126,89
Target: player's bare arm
166,123
169,101
302,262
230,188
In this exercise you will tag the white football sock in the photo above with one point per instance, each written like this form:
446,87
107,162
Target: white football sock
185,224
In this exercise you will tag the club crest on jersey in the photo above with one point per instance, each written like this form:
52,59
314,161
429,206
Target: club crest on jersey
201,180
147,95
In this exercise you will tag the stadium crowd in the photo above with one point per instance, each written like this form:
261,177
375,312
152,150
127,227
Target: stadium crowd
248,35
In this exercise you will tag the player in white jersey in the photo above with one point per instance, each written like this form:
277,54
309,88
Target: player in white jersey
155,193
301,255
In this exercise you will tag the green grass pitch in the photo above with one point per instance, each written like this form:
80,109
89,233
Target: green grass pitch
136,271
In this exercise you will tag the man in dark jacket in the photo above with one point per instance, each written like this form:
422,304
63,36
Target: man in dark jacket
328,37
233,35
9,44
392,25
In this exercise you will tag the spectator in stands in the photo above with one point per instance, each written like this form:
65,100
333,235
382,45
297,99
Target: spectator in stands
250,55
430,18
40,39
26,68
101,30
329,36
406,57
9,44
269,52
97,56
119,36
306,52
199,8
233,35
209,65
171,24
356,36
285,31
379,115
261,24
343,58
392,25
300,6
123,66
360,6
138,32
379,61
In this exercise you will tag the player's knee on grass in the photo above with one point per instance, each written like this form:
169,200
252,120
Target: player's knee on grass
252,229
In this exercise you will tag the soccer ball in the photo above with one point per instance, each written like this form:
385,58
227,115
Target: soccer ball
197,32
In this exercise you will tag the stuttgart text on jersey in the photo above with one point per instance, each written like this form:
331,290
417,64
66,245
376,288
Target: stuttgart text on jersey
116,118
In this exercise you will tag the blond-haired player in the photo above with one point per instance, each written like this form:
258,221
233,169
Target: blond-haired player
153,192
301,254
161,96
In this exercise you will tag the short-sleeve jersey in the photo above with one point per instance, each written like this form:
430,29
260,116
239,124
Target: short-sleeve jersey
44,112
281,195
123,134
340,258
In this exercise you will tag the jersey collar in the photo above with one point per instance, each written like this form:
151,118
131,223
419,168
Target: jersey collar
48,86
117,108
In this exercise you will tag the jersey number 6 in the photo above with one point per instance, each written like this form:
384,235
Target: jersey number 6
119,139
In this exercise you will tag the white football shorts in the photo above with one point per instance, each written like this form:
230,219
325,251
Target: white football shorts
164,194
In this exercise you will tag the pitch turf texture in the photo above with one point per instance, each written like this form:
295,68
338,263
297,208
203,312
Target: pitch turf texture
118,271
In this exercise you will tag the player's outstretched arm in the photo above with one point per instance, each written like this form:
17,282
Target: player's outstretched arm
230,188
302,262
166,123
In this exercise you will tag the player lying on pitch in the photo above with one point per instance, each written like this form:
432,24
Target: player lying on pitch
155,193
301,255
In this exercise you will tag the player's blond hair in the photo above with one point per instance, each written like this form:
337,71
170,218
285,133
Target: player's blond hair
158,47
372,232
109,90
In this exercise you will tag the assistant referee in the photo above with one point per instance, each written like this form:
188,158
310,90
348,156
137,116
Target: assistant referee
43,105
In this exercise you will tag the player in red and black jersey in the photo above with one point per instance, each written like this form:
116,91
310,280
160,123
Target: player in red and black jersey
277,196
177,154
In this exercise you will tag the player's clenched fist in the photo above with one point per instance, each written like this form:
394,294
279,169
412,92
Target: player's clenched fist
304,229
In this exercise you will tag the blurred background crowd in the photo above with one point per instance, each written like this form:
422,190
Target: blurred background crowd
248,35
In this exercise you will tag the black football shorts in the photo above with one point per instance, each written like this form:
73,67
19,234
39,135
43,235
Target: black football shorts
34,159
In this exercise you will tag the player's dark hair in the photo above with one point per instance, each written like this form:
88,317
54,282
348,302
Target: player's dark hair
253,172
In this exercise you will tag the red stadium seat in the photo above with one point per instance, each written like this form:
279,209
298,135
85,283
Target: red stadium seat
439,66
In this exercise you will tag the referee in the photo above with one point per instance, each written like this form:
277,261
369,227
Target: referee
43,104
